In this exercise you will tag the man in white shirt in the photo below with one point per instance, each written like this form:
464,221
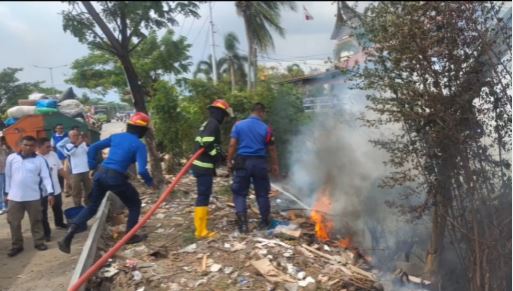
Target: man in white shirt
56,169
25,175
75,148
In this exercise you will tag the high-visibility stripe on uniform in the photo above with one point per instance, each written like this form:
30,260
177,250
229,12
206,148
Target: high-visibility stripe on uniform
204,139
213,152
203,164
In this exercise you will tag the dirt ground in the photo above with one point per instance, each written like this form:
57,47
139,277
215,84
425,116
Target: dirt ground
35,270
48,270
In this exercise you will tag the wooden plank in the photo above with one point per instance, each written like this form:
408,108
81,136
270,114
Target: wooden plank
269,241
362,272
305,252
326,256
272,274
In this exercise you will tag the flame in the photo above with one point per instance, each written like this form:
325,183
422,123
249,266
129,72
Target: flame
346,243
323,225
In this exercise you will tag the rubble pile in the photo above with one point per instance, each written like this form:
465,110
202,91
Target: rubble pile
287,257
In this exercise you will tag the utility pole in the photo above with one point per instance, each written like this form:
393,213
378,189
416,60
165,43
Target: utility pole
51,71
214,62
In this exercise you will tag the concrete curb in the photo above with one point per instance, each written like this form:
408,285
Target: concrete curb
90,246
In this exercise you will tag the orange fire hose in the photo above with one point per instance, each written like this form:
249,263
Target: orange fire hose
94,268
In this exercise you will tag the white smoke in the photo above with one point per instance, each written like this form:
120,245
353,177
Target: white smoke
335,147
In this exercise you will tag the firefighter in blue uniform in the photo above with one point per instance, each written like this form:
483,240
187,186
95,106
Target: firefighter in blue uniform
125,149
203,168
252,141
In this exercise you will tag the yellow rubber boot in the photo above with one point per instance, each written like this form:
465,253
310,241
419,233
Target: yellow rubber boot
200,223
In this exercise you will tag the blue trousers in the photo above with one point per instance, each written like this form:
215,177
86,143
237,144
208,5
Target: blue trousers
254,170
110,180
2,192
204,186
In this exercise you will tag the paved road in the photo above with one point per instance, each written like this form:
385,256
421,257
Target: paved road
50,270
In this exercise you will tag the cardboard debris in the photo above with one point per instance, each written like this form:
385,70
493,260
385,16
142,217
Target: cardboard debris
306,281
109,272
215,268
189,249
272,274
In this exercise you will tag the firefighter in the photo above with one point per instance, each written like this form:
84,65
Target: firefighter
125,149
203,168
252,141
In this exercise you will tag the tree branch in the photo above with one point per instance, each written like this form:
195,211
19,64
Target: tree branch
107,48
136,45
131,34
116,46
125,42
115,22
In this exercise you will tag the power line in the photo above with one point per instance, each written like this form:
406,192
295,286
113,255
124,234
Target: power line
205,45
181,26
201,29
190,27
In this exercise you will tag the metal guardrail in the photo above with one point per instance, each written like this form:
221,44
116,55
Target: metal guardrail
90,246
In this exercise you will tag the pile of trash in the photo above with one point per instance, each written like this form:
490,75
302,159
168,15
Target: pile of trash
39,103
286,257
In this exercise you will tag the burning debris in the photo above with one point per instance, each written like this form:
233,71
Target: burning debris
305,249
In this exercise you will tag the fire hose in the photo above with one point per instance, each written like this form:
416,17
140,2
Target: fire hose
99,264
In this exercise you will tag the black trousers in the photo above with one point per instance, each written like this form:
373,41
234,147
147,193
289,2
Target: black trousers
44,218
57,213
58,216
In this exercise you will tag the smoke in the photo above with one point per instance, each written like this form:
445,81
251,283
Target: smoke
335,149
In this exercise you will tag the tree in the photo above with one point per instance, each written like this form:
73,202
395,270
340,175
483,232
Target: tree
295,71
205,69
259,19
12,90
155,59
436,74
232,64
119,27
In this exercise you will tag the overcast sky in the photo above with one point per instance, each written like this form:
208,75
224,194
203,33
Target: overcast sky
32,35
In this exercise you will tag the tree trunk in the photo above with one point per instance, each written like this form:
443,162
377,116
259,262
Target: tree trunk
442,202
250,52
232,74
435,249
255,68
140,105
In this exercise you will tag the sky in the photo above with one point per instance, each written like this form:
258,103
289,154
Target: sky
33,37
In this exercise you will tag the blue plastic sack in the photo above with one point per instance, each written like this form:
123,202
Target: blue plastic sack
10,121
46,103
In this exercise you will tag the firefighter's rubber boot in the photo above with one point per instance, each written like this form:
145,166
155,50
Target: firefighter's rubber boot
136,238
65,243
242,222
265,222
201,222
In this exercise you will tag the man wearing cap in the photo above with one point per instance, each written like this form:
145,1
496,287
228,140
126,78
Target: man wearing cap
125,149
209,137
252,141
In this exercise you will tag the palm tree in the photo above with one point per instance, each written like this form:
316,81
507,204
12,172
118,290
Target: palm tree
295,70
232,63
205,68
259,18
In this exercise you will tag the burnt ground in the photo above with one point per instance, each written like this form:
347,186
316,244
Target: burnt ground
172,259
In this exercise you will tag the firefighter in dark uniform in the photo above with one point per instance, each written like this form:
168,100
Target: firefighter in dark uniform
252,141
203,168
